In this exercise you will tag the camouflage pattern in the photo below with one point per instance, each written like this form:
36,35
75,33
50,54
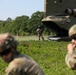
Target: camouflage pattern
59,15
70,60
72,30
20,64
40,30
23,65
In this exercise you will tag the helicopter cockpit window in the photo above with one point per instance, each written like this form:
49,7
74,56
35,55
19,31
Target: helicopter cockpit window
60,1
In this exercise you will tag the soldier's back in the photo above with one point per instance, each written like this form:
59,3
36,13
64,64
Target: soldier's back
24,66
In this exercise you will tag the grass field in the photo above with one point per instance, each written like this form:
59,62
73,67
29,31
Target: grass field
50,55
28,38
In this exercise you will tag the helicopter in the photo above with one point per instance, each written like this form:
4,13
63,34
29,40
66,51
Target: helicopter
59,15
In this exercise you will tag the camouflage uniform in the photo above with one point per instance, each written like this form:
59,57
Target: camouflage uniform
70,58
23,65
19,64
40,30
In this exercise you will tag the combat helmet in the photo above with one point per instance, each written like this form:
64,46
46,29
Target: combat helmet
7,41
72,30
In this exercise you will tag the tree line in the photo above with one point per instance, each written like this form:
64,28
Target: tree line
23,25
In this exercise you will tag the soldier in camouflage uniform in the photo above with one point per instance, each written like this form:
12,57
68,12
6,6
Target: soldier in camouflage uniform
70,58
40,30
19,64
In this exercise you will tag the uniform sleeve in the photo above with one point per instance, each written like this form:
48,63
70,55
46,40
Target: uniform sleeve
15,68
70,60
14,72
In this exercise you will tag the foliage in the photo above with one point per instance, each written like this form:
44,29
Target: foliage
23,24
34,21
50,55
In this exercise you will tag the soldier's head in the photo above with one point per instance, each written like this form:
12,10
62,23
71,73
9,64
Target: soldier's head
7,46
72,32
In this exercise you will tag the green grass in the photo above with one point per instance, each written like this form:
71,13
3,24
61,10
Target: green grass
50,55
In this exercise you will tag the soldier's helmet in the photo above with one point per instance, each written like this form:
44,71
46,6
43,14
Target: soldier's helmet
72,30
7,41
39,26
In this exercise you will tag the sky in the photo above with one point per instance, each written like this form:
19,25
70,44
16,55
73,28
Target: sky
15,8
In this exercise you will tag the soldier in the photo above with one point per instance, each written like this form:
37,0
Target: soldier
40,30
70,58
19,64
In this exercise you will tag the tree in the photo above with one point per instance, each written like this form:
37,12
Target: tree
20,24
9,19
34,21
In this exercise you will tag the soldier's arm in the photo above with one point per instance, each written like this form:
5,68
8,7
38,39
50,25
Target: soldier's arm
15,68
70,56
71,47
